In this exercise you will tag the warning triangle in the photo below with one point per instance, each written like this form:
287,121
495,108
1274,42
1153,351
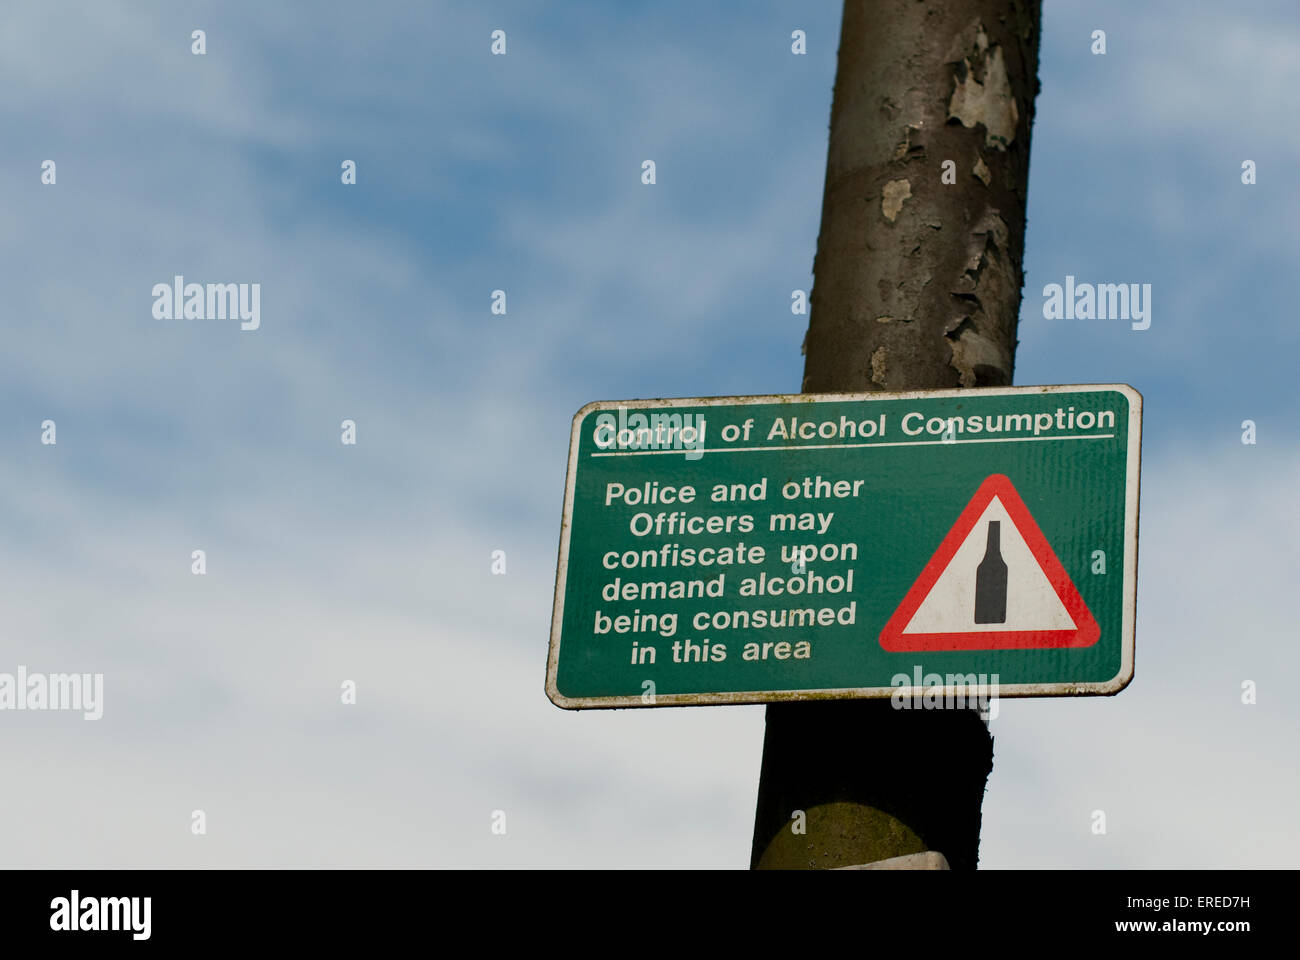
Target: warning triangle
993,584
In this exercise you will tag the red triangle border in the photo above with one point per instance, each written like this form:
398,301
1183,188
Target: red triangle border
1086,631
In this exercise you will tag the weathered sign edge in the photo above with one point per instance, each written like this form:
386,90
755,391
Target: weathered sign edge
1101,688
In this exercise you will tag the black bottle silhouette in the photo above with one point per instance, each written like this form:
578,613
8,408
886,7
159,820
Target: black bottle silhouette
991,580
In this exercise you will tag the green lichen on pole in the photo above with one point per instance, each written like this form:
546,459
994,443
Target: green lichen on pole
917,284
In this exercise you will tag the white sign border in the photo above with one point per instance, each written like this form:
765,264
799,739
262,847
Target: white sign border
1132,474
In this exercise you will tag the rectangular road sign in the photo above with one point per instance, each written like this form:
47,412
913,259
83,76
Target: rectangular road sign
816,546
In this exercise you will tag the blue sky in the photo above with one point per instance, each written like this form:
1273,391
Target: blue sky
371,562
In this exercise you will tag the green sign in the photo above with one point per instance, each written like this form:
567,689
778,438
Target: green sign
912,545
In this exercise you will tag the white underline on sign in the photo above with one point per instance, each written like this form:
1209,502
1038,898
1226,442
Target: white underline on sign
851,446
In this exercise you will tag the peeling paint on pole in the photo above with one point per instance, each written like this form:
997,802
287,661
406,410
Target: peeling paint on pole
978,336
943,260
991,102
892,197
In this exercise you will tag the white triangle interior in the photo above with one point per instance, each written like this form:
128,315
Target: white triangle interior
1032,604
